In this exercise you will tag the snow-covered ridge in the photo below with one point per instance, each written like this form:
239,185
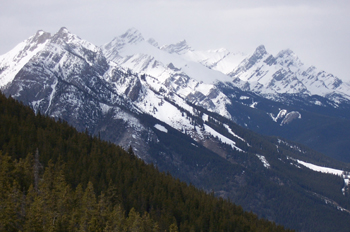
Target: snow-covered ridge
13,61
345,175
142,57
179,48
177,73
64,36
219,59
260,72
270,75
169,71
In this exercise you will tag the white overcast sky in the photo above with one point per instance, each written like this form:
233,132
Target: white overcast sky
318,31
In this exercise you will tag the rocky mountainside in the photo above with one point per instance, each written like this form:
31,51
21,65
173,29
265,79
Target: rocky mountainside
179,112
260,87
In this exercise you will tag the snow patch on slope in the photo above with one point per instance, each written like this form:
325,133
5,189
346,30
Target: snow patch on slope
161,128
264,161
223,139
280,114
232,133
285,116
105,108
321,169
290,117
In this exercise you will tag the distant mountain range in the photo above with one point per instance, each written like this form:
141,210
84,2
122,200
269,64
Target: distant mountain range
218,80
193,113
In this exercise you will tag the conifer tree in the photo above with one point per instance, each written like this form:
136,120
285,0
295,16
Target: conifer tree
173,228
36,169
89,209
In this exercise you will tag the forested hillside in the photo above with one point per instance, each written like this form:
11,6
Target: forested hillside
53,178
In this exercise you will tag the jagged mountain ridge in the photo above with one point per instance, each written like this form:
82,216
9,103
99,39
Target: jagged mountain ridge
190,80
67,65
71,79
199,77
166,81
265,74
260,72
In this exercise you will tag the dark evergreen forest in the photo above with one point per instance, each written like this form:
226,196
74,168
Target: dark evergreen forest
54,178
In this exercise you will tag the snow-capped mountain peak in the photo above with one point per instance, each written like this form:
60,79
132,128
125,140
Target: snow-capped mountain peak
65,37
260,51
39,38
285,52
132,36
14,60
178,48
63,32
288,58
170,69
270,75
